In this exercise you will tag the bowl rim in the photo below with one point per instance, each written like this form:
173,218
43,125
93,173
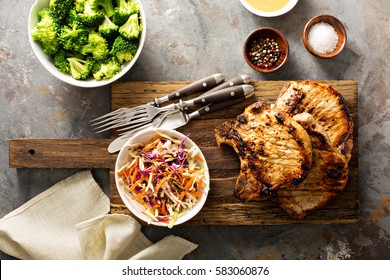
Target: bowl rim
265,70
290,5
306,30
44,59
189,214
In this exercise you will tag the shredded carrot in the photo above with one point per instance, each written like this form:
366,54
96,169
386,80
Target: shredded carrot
190,183
134,175
181,171
141,194
137,183
187,186
198,157
182,195
153,143
162,181
197,194
163,209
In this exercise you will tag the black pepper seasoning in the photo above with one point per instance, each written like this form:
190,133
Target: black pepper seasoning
264,52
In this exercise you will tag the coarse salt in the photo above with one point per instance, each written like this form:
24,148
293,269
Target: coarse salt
322,37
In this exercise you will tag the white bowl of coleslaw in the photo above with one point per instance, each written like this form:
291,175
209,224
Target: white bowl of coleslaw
162,177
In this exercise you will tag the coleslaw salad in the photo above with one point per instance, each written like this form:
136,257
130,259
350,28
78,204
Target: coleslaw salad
165,176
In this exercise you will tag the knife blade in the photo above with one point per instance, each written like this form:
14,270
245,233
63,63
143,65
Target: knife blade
178,118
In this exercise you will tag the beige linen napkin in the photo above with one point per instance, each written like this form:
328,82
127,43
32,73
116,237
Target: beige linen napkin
70,221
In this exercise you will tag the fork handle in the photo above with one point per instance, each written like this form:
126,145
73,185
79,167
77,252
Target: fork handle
220,96
200,85
238,80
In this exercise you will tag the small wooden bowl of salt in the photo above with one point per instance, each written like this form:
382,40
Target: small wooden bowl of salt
324,36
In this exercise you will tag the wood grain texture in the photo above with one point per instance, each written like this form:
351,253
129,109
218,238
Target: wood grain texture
60,153
221,207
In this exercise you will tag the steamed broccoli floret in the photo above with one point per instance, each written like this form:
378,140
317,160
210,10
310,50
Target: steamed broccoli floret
106,69
61,8
72,38
46,31
74,19
123,49
107,6
108,29
80,69
61,62
124,9
96,45
91,15
79,5
132,28
61,59
74,35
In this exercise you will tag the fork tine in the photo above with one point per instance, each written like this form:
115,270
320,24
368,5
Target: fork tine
133,131
113,113
109,125
118,115
126,125
129,128
108,120
118,119
124,118
120,111
135,127
142,118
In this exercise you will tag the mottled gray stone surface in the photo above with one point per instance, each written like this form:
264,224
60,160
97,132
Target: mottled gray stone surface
188,40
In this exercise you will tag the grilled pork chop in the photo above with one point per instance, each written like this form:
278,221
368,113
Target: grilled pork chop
274,150
326,105
326,178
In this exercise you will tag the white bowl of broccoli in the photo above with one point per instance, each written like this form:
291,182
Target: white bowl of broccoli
87,43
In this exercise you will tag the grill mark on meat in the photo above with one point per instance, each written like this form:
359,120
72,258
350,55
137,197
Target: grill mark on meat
261,152
241,119
334,171
294,103
253,154
242,142
279,117
256,108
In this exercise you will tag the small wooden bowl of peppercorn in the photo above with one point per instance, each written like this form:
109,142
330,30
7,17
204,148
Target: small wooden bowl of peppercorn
266,49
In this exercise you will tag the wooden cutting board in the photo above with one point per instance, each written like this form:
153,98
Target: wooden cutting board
221,207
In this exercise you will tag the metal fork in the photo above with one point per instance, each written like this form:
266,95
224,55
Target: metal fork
146,112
